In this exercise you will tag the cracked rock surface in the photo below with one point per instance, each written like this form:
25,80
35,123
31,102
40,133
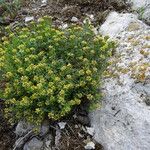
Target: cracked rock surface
123,121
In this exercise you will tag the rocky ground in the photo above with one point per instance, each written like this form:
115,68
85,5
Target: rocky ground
123,121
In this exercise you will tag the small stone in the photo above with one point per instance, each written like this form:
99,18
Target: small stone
89,146
90,130
62,125
48,141
28,19
74,19
64,26
44,1
22,128
84,120
22,140
25,11
44,128
33,144
91,16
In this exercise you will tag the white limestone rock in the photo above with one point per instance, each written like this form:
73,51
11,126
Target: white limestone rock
74,19
89,146
123,121
62,125
142,7
29,18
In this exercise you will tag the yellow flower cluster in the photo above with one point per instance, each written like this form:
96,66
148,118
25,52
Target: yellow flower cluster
49,71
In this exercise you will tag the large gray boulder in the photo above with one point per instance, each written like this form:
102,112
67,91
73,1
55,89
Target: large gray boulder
123,121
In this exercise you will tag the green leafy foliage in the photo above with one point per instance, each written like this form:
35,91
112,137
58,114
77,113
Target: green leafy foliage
49,71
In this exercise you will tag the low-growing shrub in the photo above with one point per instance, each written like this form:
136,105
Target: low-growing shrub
48,71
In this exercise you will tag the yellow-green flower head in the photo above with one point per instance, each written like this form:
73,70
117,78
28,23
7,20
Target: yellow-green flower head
92,52
27,59
20,70
34,96
63,68
41,20
11,35
22,46
102,56
82,83
88,72
88,78
32,49
70,54
81,72
68,86
94,62
69,76
24,78
77,101
13,101
23,36
32,40
85,60
72,36
4,38
61,100
86,48
9,75
78,28
50,91
39,85
2,58
57,79
25,29
36,78
81,57
50,84
62,92
95,69
14,51
39,37
7,91
37,110
84,43
24,101
6,43
69,65
90,96
17,61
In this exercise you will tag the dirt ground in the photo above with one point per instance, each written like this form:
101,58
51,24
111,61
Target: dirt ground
7,136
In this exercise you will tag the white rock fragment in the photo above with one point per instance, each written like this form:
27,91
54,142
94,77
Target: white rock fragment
44,1
29,18
64,26
74,19
89,146
90,130
91,16
62,125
